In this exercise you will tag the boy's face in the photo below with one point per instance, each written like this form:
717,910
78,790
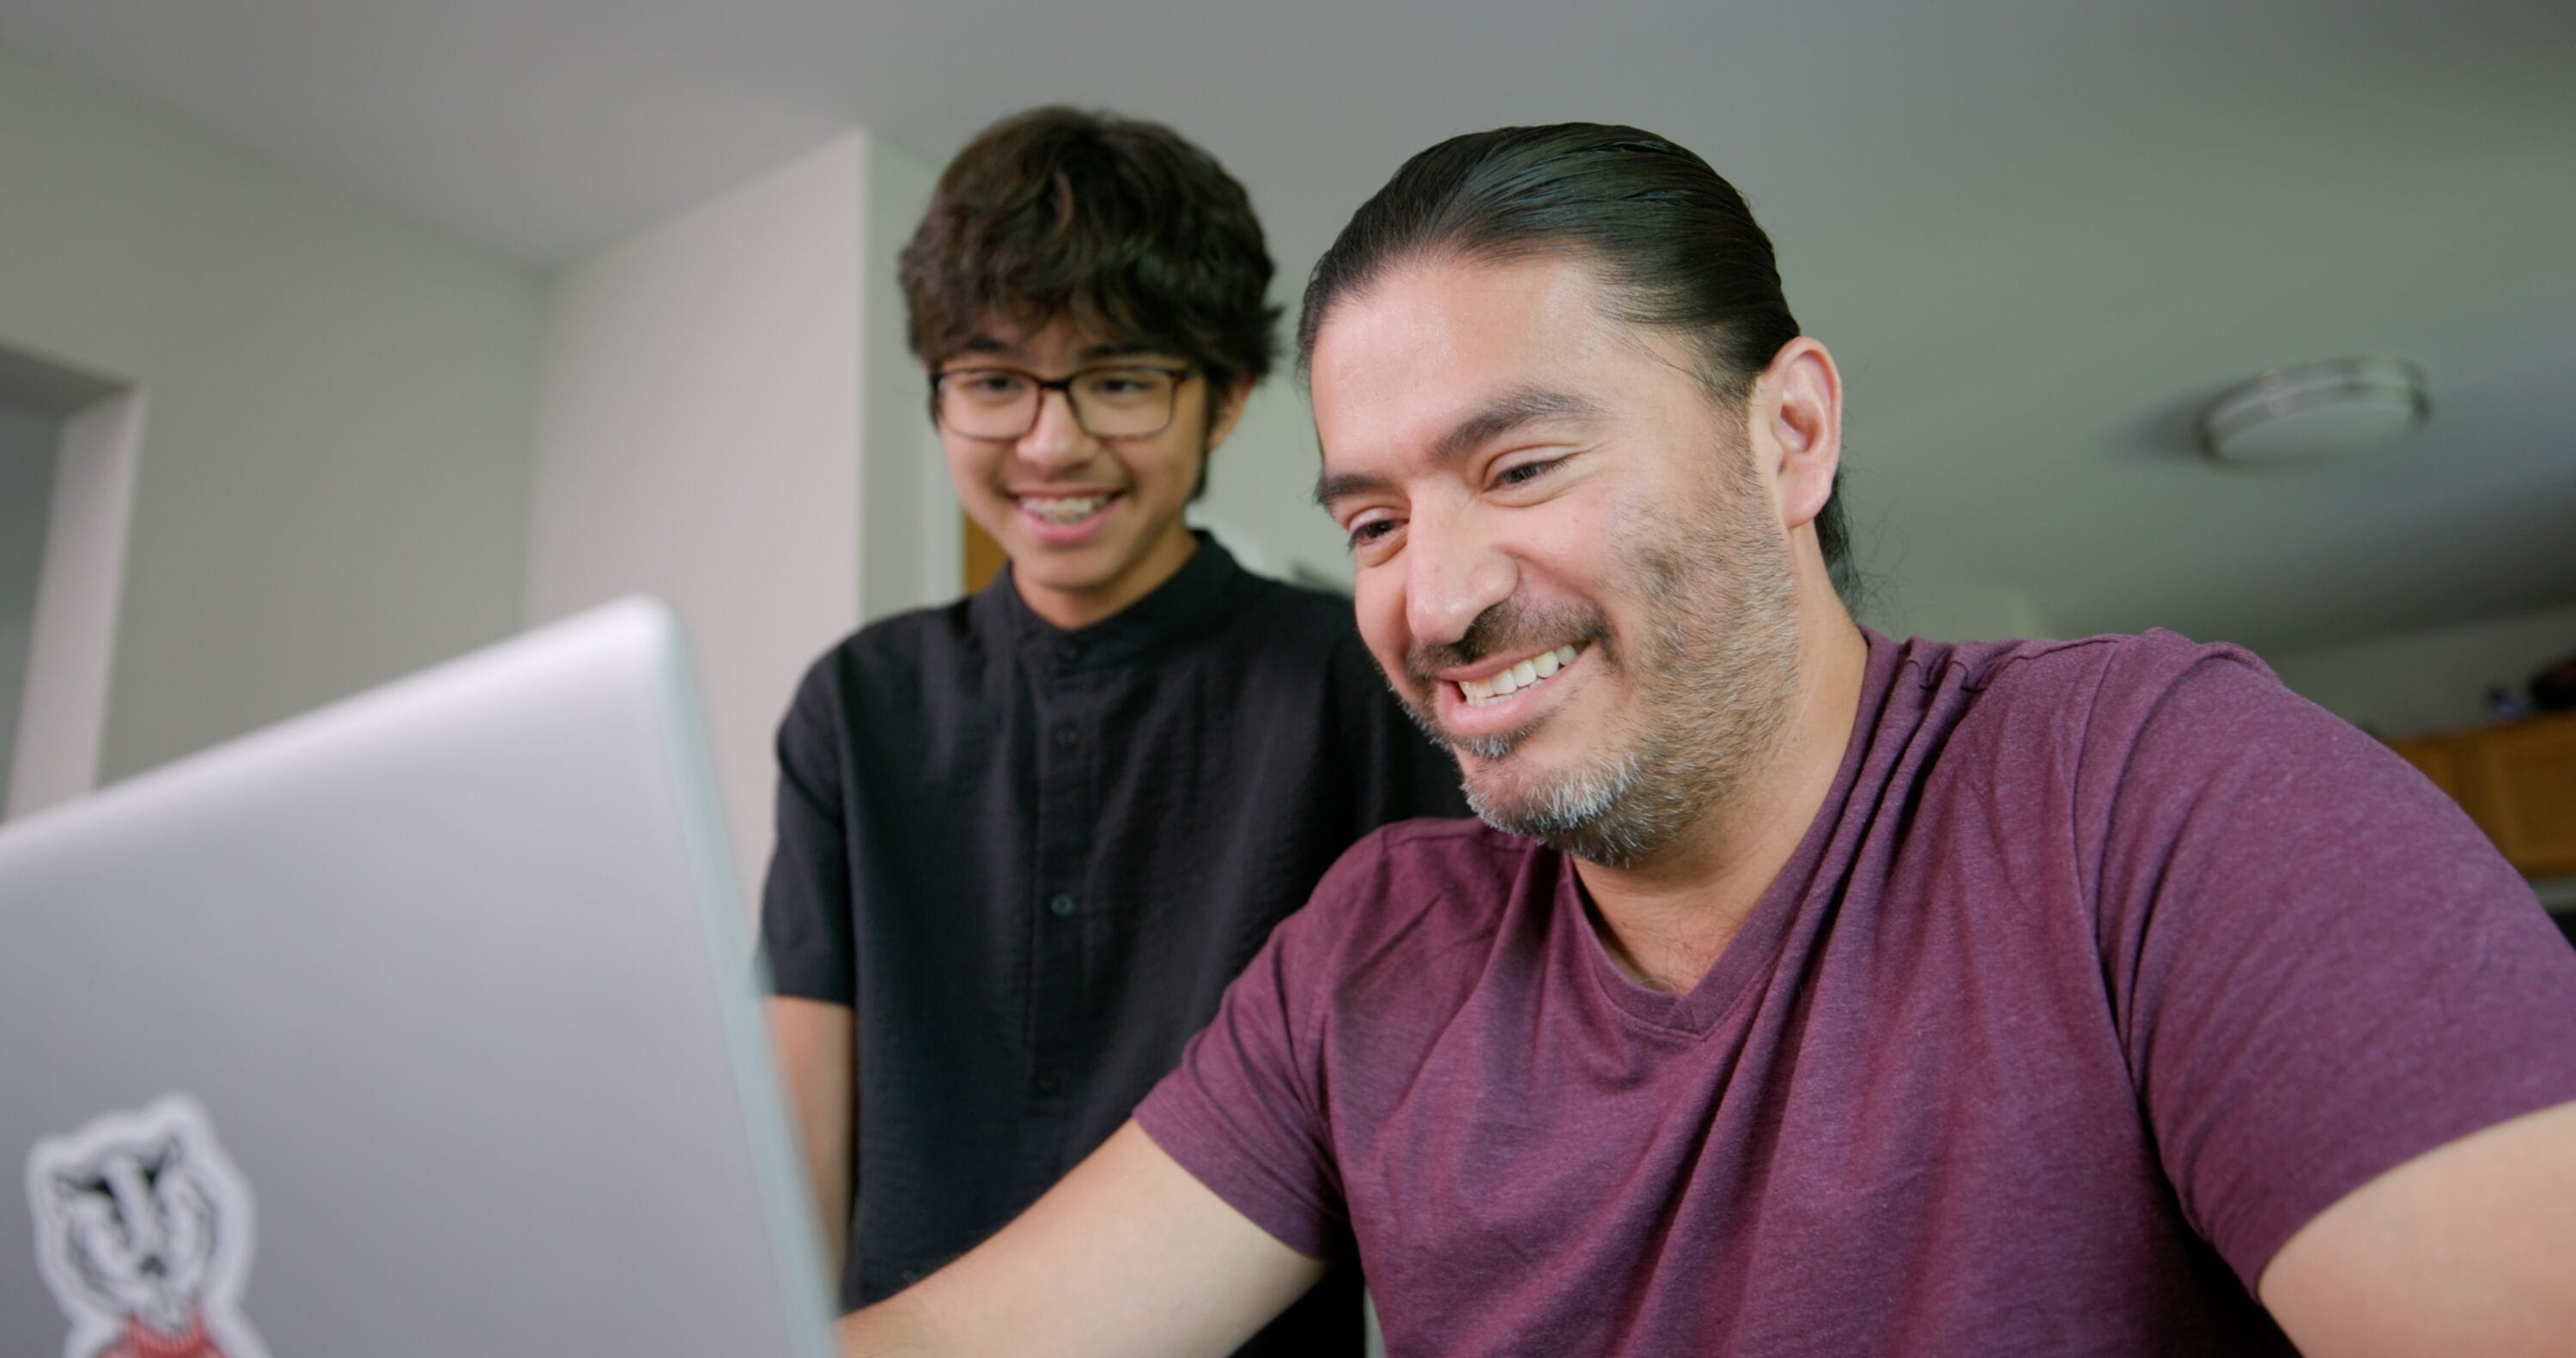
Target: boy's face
1091,523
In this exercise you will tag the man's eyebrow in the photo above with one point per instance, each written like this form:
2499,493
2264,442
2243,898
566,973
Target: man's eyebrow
1510,411
1331,488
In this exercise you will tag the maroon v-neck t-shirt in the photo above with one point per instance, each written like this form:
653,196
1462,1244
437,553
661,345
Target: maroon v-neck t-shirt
2106,966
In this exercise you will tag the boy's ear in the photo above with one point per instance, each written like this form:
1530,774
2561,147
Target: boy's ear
1229,409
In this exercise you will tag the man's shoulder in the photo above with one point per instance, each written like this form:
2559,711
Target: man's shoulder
1408,919
2098,685
1443,873
2073,669
1449,846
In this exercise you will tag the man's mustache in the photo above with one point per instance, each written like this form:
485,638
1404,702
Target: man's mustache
1508,628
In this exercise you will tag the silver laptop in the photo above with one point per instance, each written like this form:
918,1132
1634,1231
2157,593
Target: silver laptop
423,1025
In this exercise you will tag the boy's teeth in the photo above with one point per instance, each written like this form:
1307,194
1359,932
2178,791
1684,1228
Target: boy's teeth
1504,683
1063,508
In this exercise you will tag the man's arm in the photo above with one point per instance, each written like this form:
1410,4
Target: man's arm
1128,1256
2470,1248
814,1041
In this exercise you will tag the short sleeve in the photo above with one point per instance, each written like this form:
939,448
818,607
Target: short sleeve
805,904
2321,968
1244,1112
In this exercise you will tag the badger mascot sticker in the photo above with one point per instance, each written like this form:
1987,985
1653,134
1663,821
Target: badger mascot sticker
143,1231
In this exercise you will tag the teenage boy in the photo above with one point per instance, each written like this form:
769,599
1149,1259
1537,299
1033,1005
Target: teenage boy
1025,840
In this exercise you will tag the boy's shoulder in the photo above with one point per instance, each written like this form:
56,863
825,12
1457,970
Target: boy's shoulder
892,656
1304,610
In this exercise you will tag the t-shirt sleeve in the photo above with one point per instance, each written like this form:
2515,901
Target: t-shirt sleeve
805,903
2321,968
1245,1111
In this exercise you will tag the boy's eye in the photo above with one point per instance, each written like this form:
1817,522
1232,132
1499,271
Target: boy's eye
989,382
1126,386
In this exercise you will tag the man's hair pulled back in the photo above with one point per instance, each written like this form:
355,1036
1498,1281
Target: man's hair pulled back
1675,242
1122,226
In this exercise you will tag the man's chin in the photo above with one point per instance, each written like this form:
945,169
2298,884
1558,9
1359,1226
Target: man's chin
1510,793
1491,749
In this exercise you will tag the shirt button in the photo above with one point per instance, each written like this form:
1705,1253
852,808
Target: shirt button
1068,651
1066,737
1062,905
1049,1082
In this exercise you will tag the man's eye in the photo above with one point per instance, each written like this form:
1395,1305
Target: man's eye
1522,473
1362,534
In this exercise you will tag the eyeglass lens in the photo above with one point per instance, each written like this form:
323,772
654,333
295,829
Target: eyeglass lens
1002,403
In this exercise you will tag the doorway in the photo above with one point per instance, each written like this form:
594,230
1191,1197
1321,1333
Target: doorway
69,442
30,444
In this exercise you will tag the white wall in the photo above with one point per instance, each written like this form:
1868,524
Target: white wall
1261,485
707,397
910,538
27,444
2421,682
331,487
1901,607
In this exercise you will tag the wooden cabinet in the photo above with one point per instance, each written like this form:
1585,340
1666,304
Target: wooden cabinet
2517,782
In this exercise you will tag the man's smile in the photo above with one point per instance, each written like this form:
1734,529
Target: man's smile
1512,678
1502,701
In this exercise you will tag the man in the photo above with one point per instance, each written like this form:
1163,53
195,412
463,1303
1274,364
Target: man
1025,840
1808,992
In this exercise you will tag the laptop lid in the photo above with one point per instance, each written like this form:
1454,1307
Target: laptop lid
422,1025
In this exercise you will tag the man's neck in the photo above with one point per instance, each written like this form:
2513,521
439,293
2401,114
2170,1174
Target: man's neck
1666,921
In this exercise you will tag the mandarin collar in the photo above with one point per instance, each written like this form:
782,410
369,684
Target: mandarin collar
1176,608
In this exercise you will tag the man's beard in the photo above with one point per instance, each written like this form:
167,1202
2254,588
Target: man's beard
1713,670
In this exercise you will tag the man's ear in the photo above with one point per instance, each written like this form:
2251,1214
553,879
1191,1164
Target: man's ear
1229,409
1796,424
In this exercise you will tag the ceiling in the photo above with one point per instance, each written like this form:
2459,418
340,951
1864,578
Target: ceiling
2037,235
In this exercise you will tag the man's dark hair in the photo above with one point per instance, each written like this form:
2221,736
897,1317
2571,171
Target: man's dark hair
1676,243
1121,225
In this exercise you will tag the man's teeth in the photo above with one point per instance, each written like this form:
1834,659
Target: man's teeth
1505,683
1063,508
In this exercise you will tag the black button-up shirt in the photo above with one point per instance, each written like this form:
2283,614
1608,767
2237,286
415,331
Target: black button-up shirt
1031,859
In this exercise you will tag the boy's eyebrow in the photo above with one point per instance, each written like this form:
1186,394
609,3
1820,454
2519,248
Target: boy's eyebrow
989,347
1511,410
1118,349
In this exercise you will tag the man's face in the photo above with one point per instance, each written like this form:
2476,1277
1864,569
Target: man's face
1091,524
1567,563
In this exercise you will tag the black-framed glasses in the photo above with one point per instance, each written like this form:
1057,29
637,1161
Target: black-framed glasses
1112,401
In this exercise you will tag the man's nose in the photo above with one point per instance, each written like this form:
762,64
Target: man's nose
1453,574
1056,441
